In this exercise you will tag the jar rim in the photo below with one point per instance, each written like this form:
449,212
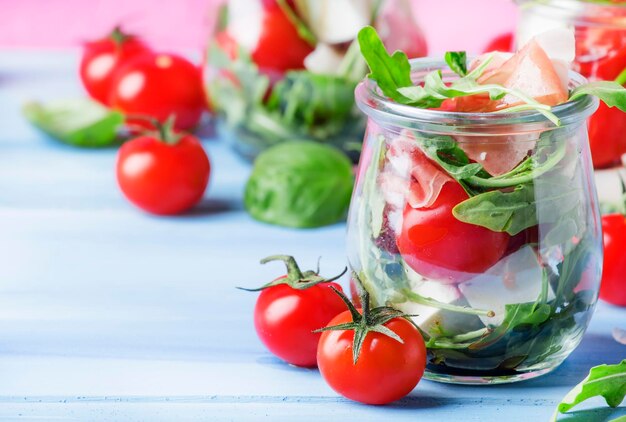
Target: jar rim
379,107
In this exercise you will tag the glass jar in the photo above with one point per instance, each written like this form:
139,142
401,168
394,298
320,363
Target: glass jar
501,273
269,84
600,31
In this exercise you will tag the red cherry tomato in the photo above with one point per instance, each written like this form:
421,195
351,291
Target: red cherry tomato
162,178
607,127
285,319
103,58
503,42
607,136
160,86
280,47
613,287
386,370
438,246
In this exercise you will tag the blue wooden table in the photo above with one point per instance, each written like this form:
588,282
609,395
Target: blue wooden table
110,314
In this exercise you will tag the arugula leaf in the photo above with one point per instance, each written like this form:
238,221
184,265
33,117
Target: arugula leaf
610,92
390,72
435,91
457,61
516,315
608,381
79,122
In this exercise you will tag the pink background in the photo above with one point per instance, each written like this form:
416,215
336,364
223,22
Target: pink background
182,25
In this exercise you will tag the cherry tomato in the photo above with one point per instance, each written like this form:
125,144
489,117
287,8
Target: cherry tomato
290,308
386,370
159,86
285,319
269,4
607,127
280,47
503,42
163,178
438,246
103,58
607,136
613,287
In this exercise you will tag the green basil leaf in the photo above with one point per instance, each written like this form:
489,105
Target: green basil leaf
79,122
611,93
390,72
510,212
608,381
300,184
457,61
517,210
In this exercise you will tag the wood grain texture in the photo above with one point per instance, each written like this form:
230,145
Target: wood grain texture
109,314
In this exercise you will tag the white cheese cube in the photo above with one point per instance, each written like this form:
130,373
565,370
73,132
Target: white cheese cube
336,21
435,321
609,184
515,279
245,22
324,60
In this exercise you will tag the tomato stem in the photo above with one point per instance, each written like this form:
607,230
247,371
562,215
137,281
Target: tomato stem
295,278
293,271
370,320
118,36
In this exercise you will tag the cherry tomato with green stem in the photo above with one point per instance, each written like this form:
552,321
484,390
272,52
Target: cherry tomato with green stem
289,310
163,173
103,58
373,356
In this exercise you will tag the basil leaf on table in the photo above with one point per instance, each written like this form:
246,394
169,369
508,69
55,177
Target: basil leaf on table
79,122
608,381
300,184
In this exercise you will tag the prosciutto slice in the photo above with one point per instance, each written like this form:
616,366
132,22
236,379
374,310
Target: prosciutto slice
410,175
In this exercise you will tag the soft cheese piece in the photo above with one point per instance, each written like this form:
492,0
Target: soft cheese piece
533,23
336,21
324,60
515,279
609,184
434,321
245,22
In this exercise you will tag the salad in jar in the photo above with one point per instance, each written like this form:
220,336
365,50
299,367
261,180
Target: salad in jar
286,70
475,210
